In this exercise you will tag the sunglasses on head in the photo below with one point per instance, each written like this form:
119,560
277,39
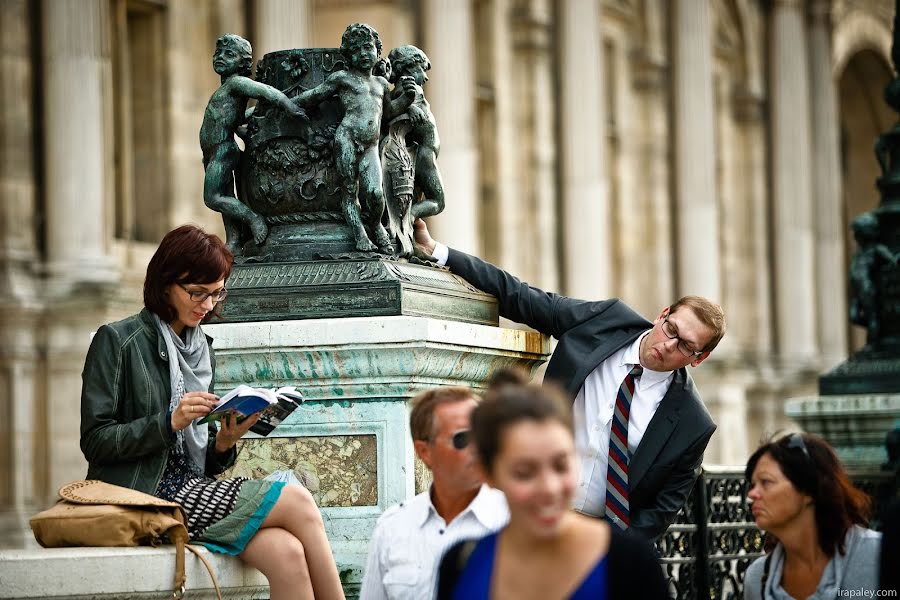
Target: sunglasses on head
461,439
795,441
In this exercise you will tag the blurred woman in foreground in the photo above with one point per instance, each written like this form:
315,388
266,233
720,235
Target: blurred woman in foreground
802,497
523,436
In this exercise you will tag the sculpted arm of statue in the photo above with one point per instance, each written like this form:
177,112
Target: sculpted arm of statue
323,91
261,91
394,107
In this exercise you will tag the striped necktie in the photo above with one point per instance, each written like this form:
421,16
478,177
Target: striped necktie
617,510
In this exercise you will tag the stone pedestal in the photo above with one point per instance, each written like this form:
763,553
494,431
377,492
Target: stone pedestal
854,424
350,442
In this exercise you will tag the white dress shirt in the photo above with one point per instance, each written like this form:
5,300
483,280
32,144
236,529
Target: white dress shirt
411,537
441,253
593,413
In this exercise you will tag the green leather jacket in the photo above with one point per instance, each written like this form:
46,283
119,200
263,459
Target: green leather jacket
124,406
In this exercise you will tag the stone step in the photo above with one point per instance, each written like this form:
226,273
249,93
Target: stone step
136,573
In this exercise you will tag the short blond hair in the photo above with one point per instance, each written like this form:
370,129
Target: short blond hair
709,313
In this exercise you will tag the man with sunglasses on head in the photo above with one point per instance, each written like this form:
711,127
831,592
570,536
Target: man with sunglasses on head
411,537
640,426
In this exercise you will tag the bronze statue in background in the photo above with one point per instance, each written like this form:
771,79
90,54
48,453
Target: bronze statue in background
310,182
225,114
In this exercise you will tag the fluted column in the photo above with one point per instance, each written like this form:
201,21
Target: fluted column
585,195
826,179
280,25
795,302
20,356
76,117
697,226
451,93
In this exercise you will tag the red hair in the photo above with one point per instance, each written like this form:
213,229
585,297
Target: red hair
185,255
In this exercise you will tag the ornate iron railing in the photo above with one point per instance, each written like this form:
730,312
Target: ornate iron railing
714,539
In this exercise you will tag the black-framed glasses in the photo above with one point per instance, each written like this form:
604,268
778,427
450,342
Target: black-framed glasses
671,332
461,439
200,296
795,441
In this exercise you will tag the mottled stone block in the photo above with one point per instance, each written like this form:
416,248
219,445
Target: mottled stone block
339,470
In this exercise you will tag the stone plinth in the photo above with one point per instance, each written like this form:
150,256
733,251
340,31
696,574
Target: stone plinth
349,442
855,424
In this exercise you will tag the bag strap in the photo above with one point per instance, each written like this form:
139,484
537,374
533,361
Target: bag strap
180,540
209,570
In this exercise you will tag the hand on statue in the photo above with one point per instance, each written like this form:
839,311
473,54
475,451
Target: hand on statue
230,431
422,237
298,112
408,83
193,405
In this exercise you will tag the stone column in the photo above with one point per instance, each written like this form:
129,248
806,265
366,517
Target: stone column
795,302
20,360
280,25
697,226
77,117
451,93
585,194
826,185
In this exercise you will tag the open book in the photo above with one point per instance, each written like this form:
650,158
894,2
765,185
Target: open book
244,401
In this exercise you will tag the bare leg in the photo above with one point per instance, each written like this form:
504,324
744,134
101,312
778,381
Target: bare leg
296,512
281,558
373,195
348,171
218,190
428,179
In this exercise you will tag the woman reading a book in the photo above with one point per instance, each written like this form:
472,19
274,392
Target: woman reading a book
146,386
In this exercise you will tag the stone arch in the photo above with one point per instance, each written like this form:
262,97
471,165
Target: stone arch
855,32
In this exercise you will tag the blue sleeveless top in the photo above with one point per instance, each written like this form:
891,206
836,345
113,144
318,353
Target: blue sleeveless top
474,582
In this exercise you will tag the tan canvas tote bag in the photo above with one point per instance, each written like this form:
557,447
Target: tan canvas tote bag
95,513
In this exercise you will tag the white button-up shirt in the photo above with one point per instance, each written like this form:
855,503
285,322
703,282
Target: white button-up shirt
410,539
593,413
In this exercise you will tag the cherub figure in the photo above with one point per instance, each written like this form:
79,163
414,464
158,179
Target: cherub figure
225,114
409,61
869,257
365,98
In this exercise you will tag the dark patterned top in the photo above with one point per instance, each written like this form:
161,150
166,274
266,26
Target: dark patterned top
205,500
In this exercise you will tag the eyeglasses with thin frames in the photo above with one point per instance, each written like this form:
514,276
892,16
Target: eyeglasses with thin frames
671,332
200,296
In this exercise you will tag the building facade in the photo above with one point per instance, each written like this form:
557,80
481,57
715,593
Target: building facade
644,149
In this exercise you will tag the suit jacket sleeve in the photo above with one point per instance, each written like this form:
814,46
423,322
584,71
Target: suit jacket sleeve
653,521
546,312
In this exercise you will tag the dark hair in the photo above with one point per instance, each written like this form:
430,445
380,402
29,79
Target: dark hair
509,400
421,417
818,473
185,255
707,312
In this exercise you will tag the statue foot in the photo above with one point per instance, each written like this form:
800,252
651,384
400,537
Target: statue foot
382,237
365,244
259,229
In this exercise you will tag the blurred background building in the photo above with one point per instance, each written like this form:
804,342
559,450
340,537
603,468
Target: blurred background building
635,148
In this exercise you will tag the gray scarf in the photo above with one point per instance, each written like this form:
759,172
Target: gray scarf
190,370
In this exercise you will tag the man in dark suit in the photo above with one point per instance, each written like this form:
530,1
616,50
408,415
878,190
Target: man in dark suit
629,380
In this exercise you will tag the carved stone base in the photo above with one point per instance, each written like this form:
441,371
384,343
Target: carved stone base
854,424
867,371
353,288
